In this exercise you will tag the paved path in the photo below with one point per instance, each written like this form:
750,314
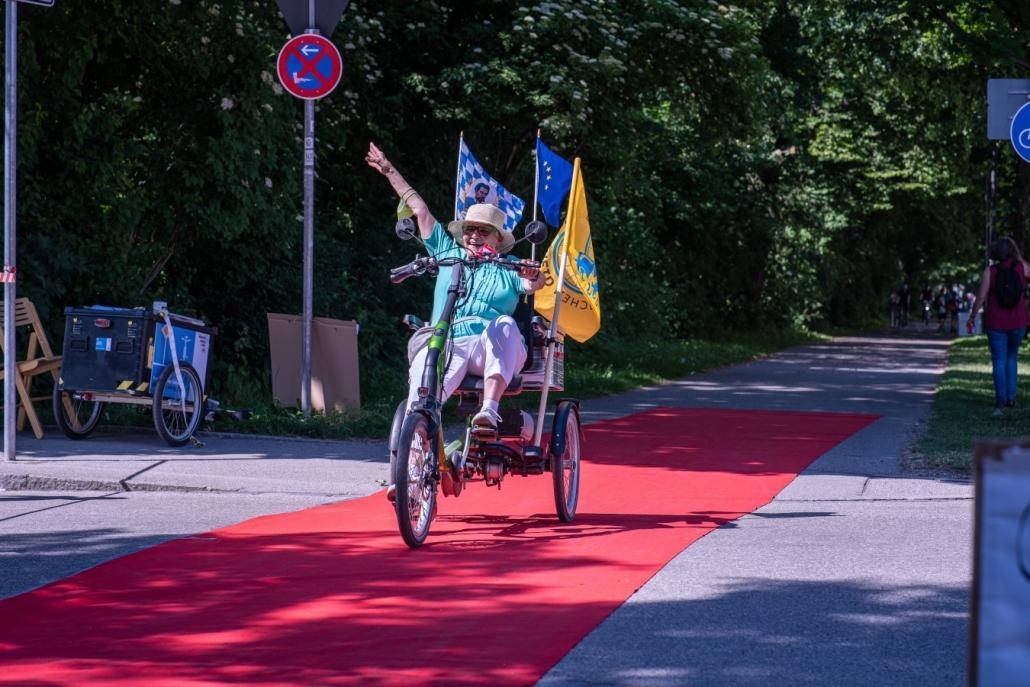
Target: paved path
855,574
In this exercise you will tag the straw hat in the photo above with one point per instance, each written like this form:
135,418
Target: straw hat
489,215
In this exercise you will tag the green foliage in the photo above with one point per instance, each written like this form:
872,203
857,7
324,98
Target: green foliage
759,165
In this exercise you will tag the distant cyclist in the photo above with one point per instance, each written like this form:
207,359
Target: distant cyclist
927,300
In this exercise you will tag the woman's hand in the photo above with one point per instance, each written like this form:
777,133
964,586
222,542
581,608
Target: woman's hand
532,278
376,160
529,270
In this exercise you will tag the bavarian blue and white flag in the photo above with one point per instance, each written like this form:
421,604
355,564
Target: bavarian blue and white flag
476,186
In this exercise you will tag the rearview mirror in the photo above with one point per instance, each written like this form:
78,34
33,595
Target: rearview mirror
405,229
536,232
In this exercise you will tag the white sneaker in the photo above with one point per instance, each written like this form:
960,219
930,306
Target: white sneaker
391,493
486,422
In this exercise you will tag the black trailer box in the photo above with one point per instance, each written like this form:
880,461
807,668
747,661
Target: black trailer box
104,347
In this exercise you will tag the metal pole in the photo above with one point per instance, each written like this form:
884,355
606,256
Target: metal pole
457,174
549,356
536,187
559,291
309,237
309,245
10,179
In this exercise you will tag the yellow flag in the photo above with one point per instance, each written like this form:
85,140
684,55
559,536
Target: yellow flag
580,313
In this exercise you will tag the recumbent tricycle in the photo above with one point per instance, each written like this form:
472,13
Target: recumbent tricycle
420,463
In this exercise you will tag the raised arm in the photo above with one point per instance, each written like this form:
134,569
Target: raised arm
377,161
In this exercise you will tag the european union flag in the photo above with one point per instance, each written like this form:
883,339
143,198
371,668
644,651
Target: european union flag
554,182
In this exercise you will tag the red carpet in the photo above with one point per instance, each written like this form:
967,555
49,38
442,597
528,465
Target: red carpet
331,596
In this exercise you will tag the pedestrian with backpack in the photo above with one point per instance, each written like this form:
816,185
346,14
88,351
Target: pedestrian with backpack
1003,297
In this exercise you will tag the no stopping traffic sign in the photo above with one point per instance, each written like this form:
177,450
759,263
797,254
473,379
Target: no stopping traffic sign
309,66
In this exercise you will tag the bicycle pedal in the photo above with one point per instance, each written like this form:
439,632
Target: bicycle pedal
484,432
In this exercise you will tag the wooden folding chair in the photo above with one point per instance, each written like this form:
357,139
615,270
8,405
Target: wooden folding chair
39,359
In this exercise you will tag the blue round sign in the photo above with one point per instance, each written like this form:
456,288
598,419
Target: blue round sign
1019,132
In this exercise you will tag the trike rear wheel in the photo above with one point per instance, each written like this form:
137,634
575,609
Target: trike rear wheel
565,465
177,409
414,474
75,416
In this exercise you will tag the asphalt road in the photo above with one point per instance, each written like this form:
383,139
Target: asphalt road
856,574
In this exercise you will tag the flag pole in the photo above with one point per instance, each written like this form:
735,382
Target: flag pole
536,187
457,176
558,292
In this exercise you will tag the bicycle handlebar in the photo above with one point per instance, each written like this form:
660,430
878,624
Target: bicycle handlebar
415,267
420,266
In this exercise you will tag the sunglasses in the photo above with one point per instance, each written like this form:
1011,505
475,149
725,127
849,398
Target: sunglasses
482,231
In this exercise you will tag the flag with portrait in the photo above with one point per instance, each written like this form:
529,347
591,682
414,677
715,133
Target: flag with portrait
475,185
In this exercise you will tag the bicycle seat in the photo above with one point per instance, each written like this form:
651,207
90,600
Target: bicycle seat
473,384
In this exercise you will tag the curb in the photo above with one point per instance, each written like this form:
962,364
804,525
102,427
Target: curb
10,482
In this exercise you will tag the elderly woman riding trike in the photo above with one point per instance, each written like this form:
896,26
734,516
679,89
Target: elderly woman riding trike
477,349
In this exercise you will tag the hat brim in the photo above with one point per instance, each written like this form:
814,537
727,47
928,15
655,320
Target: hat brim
457,229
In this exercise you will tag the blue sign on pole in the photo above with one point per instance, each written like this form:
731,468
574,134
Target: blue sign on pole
1019,132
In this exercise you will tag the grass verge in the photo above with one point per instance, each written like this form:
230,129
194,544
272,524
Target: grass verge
962,407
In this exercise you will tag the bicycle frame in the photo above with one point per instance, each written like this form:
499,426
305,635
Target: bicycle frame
436,361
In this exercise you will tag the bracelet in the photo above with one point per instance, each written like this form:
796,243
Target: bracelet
409,193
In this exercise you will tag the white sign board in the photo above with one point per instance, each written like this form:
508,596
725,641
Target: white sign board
1004,98
1000,655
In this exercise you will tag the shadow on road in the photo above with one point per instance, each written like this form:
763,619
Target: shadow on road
766,632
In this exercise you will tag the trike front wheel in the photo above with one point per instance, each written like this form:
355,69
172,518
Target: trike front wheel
414,474
395,434
178,408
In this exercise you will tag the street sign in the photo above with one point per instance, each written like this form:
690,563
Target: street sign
327,15
309,66
1019,132
44,3
1004,97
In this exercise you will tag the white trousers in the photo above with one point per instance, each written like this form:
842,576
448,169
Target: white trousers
499,350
